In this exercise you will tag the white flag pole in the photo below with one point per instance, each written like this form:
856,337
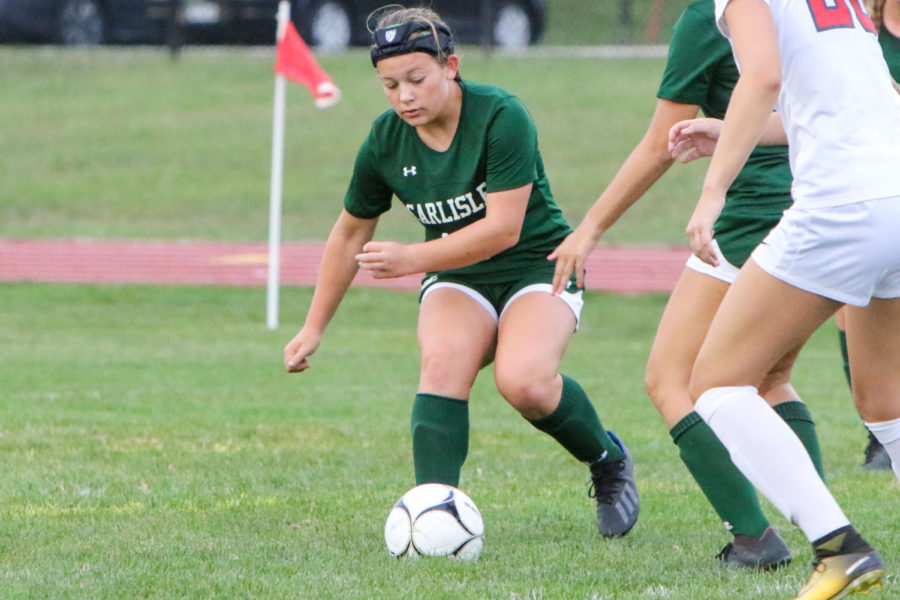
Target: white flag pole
272,288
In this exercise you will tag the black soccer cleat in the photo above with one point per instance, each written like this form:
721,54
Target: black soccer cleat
612,485
765,553
877,458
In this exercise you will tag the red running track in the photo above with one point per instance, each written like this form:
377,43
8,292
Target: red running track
626,270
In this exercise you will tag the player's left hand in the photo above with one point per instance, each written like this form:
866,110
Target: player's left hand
694,138
385,260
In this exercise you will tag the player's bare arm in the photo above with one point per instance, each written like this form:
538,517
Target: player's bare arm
644,166
756,47
497,231
336,271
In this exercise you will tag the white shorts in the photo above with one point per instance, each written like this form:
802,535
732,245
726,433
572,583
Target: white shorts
848,253
726,271
574,300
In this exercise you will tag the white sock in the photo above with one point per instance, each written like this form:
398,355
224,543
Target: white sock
888,433
772,457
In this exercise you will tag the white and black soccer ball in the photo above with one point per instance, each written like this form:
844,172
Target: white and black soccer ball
434,519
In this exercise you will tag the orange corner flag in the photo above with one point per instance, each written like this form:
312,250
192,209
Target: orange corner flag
294,60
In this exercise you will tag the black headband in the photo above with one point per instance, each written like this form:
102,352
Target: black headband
395,40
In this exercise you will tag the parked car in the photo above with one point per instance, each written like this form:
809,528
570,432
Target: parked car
330,24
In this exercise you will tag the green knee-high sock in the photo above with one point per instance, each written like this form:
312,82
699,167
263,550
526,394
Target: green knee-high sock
576,426
797,416
842,338
732,496
440,434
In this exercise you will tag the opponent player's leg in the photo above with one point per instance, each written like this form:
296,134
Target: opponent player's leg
760,320
875,456
778,392
456,338
873,337
535,329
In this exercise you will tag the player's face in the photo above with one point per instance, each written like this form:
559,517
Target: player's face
418,87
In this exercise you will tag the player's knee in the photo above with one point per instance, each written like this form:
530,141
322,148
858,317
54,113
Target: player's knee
524,391
664,385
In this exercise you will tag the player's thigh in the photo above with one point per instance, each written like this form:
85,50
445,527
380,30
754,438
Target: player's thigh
682,329
873,344
761,319
534,333
456,338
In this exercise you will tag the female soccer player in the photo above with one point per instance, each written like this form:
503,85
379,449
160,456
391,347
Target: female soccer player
463,158
700,74
886,18
837,244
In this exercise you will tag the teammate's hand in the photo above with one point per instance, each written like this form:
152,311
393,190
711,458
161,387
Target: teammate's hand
570,257
694,138
700,227
299,349
386,259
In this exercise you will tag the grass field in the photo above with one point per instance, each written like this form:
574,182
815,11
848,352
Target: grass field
152,446
115,143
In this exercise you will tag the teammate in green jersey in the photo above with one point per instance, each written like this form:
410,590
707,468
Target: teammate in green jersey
886,17
463,159
700,74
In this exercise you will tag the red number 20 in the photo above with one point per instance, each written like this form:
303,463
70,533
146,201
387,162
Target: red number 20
831,14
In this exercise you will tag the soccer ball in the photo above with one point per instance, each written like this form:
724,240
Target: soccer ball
434,519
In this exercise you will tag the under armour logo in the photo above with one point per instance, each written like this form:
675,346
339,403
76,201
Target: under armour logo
409,171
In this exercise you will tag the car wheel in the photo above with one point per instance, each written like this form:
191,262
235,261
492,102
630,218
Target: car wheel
329,26
80,23
511,27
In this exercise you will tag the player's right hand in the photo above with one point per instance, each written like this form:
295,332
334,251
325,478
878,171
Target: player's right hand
570,257
299,349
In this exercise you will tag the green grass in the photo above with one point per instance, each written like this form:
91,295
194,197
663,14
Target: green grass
576,22
126,143
152,447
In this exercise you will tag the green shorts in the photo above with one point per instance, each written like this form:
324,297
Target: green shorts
495,297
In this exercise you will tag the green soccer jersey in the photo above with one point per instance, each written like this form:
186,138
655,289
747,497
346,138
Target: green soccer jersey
701,70
495,149
890,47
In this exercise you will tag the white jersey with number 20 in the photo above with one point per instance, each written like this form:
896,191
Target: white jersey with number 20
838,105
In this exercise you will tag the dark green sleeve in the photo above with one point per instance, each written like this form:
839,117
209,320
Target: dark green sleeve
695,48
368,195
511,148
890,46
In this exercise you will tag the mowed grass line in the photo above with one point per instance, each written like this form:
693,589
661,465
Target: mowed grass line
126,143
152,447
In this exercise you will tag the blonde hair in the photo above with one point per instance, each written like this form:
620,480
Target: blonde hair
876,11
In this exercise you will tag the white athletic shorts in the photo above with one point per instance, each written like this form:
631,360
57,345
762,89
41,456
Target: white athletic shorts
726,271
574,300
848,253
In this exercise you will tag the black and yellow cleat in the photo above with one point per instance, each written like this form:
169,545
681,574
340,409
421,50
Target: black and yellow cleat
842,574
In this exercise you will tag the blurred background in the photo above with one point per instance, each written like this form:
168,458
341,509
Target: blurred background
331,24
152,119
